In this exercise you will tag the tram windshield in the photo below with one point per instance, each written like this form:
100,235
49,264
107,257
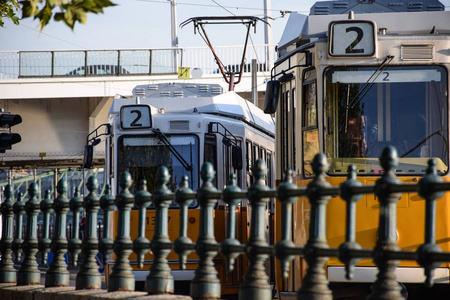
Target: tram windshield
142,155
367,110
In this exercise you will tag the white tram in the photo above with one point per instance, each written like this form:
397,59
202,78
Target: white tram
181,126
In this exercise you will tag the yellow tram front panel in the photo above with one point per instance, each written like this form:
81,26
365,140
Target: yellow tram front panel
410,221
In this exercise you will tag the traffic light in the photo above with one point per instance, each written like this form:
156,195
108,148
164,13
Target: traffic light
6,137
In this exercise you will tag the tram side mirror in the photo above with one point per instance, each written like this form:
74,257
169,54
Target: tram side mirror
272,96
88,156
236,157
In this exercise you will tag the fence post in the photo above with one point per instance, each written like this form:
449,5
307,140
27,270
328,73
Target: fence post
430,195
159,280
29,273
285,244
76,206
57,274
19,211
7,271
183,244
205,283
315,284
106,243
255,284
45,242
350,231
88,277
121,278
141,244
386,285
229,197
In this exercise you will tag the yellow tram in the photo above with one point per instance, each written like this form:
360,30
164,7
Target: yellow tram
352,78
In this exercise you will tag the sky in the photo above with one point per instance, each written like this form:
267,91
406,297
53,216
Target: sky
144,24
147,24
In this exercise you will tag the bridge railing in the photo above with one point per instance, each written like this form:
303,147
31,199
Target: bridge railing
125,62
386,254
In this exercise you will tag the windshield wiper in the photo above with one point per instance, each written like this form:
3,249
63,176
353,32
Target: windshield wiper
369,83
439,132
172,149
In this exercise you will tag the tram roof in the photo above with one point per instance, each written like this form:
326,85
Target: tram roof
395,17
184,98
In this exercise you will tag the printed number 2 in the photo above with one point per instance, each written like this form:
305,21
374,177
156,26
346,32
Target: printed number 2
351,47
138,117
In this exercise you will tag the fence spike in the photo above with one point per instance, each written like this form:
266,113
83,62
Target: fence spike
57,274
141,245
106,243
121,278
183,244
45,242
7,271
350,198
430,195
205,283
29,273
315,284
159,280
386,285
285,244
230,198
88,277
256,282
19,211
74,246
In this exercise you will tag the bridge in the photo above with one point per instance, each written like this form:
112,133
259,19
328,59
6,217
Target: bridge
62,96
24,282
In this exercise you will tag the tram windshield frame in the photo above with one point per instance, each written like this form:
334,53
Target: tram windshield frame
402,106
142,155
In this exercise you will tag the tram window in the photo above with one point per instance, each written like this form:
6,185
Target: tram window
142,155
210,152
248,155
403,106
284,133
310,133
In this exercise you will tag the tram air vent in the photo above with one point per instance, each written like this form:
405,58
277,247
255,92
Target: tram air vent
415,6
340,5
179,125
139,91
165,94
321,10
417,52
179,94
152,87
216,90
204,88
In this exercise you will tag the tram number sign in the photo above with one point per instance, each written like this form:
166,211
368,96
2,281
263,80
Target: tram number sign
135,117
352,38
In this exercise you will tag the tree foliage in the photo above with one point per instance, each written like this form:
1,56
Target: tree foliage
68,11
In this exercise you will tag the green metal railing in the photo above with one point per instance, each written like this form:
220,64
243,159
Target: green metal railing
205,284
